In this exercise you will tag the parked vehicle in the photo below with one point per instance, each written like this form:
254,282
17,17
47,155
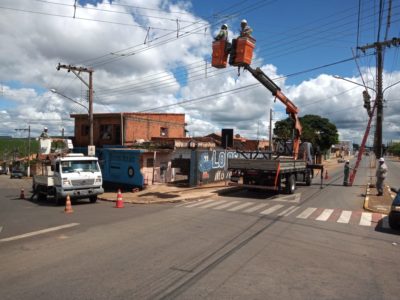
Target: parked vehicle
16,173
394,214
66,173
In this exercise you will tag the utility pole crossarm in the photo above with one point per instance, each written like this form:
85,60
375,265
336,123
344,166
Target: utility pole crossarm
387,43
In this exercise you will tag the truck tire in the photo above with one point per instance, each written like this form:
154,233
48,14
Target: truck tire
59,200
308,178
93,199
290,186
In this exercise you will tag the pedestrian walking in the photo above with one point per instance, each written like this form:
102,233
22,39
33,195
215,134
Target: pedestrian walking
381,173
346,173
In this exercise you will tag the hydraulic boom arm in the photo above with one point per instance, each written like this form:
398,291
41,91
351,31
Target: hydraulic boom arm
291,109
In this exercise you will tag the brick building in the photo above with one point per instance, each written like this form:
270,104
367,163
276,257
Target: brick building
126,128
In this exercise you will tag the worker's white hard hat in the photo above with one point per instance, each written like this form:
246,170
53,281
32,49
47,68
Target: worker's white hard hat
244,21
347,161
382,159
45,128
224,26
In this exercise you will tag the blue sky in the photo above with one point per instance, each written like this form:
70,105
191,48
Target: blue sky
293,37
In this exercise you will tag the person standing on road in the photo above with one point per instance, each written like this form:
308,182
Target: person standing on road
346,173
381,173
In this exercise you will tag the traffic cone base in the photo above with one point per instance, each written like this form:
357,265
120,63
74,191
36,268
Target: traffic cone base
120,202
22,194
68,207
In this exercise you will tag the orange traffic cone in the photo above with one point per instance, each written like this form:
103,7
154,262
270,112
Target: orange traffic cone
68,207
326,175
119,203
22,195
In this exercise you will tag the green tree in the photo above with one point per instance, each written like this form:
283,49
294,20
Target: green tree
394,149
320,132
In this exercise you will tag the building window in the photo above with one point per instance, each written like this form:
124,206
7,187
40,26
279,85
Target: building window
150,162
106,132
85,130
163,131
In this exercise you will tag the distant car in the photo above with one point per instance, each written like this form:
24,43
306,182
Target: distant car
3,170
394,214
16,173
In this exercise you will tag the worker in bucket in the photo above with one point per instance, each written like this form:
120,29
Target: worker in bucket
381,173
44,134
223,33
245,29
346,173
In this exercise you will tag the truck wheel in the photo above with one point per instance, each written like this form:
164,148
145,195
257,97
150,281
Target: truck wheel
59,200
308,178
290,184
93,199
392,222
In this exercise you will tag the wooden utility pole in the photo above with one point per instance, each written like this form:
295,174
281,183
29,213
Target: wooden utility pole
77,71
379,48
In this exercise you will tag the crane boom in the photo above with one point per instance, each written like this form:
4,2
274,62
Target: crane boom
291,108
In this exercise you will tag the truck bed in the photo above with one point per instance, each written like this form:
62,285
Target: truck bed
266,164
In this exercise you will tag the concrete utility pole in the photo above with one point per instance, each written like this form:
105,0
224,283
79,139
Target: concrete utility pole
77,71
28,173
379,47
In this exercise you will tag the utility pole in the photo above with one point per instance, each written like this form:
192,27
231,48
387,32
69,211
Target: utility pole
379,48
270,131
29,148
77,71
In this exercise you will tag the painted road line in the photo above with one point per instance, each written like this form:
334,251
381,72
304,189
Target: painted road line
199,203
288,211
385,222
366,219
47,230
215,203
306,213
271,209
254,208
344,217
226,205
295,198
325,215
241,206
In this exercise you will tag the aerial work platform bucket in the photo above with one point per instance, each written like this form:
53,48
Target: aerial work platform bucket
244,51
220,54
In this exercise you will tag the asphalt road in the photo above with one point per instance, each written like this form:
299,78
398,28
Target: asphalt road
316,244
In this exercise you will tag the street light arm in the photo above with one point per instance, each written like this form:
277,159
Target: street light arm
58,93
390,86
366,87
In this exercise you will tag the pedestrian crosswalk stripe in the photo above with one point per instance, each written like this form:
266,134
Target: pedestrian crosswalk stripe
200,203
385,222
288,211
271,209
254,208
241,206
215,203
325,215
366,219
306,213
344,217
226,205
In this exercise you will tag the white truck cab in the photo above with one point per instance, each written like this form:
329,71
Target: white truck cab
70,174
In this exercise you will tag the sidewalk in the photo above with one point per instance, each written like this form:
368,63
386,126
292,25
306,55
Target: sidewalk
378,204
163,193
